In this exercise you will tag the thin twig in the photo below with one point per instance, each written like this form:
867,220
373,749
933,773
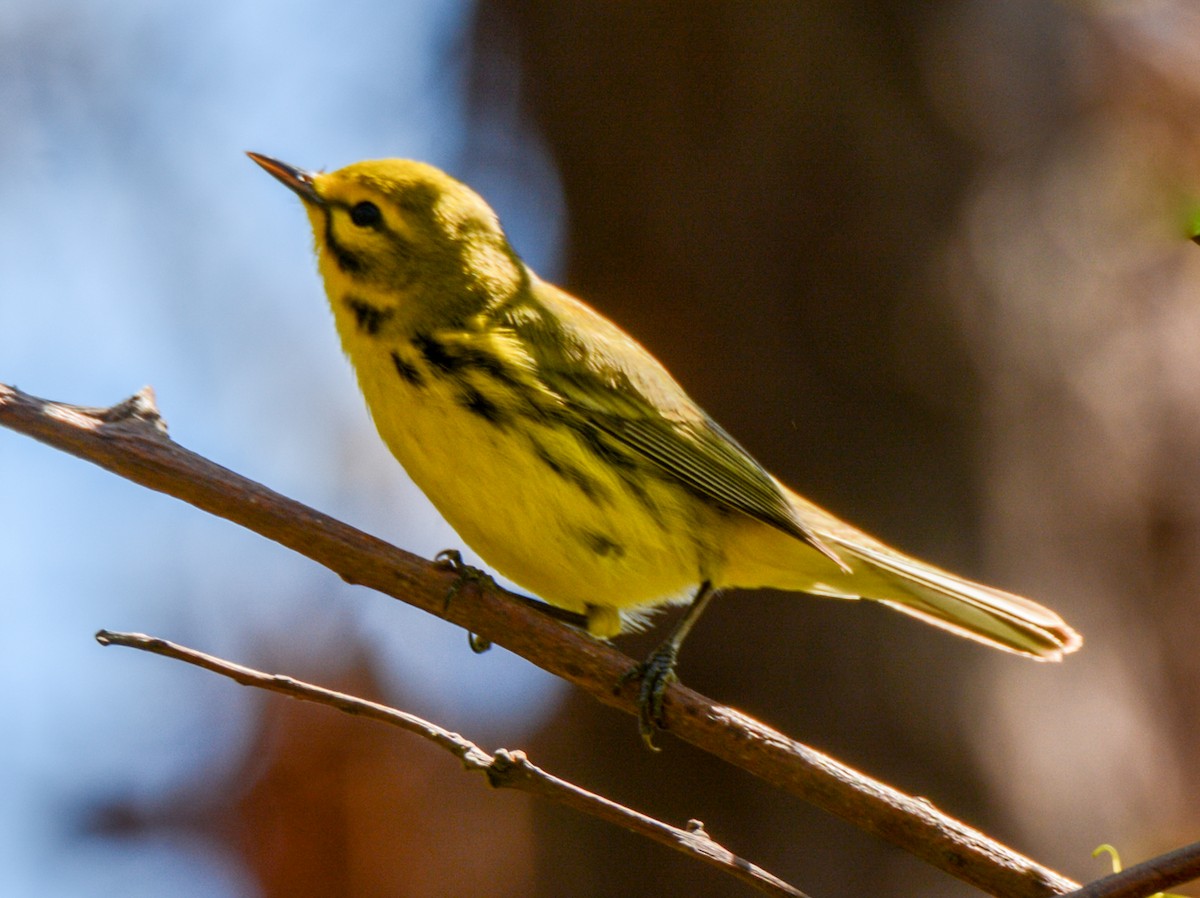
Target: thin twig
504,769
130,440
1147,878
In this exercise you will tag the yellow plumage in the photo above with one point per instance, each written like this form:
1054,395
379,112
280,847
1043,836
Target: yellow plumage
561,450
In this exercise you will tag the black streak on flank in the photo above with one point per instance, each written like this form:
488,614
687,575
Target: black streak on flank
568,472
435,353
407,370
639,492
547,459
602,545
474,401
367,317
452,359
624,466
592,440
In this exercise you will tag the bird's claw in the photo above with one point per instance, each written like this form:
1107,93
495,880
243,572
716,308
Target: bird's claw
655,674
478,644
452,559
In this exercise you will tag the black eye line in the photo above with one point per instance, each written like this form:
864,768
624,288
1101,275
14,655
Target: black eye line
400,244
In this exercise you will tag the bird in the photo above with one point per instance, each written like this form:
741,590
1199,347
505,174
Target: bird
565,454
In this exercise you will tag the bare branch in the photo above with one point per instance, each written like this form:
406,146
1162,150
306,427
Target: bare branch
130,440
504,769
1147,878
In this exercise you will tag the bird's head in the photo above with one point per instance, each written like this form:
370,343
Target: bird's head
395,226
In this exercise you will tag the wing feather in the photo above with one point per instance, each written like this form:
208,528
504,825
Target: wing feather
603,376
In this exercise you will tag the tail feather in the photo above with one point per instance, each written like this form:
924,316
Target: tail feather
992,616
883,574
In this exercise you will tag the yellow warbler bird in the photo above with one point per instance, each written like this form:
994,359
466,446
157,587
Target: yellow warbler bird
563,452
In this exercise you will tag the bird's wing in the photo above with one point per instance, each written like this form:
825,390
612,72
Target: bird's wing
616,386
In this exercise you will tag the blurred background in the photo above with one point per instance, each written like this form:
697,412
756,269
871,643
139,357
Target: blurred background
927,261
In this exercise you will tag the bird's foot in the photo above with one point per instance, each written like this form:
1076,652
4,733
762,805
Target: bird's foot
656,673
452,559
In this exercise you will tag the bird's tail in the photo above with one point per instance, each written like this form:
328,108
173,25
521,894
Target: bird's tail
983,613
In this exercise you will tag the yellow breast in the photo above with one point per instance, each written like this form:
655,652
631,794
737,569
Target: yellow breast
522,489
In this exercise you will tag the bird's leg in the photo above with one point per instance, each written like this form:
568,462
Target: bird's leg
657,672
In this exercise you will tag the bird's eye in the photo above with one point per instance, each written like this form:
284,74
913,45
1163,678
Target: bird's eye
365,214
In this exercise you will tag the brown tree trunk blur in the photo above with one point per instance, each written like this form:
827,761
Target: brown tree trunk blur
912,255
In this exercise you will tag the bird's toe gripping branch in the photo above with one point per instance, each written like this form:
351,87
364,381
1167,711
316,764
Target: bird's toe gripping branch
452,559
654,674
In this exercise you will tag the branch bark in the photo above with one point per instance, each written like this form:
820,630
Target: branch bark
1147,878
504,769
130,439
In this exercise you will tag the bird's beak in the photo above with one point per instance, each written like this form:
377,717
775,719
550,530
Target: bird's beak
296,179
